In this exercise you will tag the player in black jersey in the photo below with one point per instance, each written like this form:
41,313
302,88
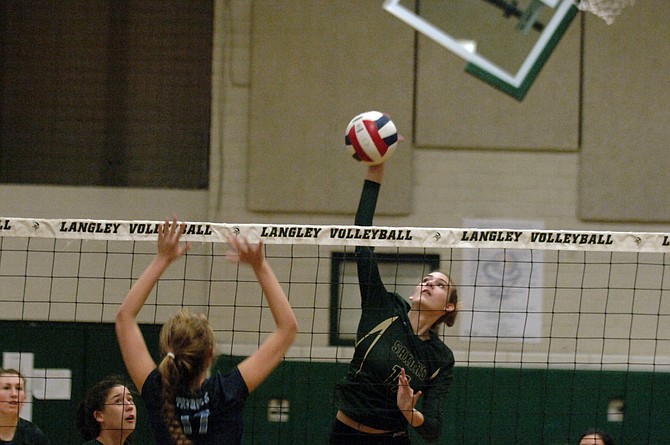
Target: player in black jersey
398,357
15,430
107,414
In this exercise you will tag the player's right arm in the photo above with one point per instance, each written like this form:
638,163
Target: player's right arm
134,351
369,279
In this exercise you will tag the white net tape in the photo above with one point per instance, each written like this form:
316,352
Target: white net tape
605,9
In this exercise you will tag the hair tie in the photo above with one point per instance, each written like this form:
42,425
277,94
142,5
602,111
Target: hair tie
171,355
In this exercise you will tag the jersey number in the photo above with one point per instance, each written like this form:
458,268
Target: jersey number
392,379
204,418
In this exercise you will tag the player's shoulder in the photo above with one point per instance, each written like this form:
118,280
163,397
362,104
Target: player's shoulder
28,429
226,385
441,351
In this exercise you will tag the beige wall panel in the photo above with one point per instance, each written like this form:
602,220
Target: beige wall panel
456,109
625,159
315,64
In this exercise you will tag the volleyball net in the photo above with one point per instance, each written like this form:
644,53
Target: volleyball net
558,331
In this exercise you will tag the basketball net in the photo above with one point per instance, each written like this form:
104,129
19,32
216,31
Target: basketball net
605,9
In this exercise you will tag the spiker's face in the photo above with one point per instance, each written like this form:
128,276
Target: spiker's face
432,293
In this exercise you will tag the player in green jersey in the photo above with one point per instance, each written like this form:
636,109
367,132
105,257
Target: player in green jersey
399,357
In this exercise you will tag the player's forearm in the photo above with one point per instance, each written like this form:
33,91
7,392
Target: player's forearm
430,430
139,292
280,308
430,427
367,204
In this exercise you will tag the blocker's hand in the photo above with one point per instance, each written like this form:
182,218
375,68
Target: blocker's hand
244,252
169,236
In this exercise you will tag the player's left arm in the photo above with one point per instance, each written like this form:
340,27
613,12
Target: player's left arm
433,405
259,365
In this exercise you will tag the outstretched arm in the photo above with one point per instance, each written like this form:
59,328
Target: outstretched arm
134,351
369,279
257,367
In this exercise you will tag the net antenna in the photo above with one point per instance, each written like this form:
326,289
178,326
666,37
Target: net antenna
605,9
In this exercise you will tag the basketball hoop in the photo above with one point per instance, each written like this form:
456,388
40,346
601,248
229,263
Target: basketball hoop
605,9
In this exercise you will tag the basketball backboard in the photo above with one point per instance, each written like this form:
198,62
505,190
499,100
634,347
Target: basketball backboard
504,42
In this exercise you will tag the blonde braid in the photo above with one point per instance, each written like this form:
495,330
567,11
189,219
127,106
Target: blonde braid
187,341
167,369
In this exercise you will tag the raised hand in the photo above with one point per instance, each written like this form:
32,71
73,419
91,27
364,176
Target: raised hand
169,235
243,252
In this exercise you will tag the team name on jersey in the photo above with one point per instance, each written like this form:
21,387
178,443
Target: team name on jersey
407,358
192,403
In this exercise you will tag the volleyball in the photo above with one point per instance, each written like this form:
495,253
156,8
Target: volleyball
371,137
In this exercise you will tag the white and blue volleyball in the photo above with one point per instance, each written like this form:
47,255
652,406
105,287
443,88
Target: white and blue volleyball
371,137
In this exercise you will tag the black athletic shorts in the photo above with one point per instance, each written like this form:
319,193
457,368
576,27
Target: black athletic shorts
342,434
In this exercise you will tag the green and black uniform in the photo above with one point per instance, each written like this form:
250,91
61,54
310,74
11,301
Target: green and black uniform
385,343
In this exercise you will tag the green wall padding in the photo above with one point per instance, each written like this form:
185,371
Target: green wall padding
486,405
